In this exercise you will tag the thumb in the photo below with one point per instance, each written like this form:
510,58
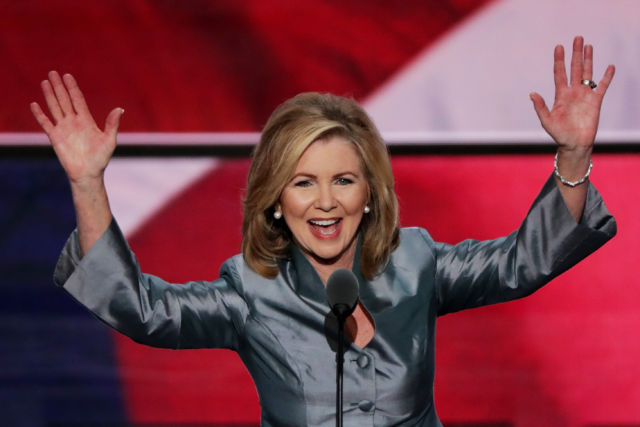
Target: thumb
539,105
113,122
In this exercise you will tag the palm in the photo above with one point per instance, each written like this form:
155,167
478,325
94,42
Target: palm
573,120
574,117
82,148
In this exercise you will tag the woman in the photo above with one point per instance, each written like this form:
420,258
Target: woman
320,197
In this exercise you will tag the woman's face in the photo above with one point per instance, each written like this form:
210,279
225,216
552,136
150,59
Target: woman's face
324,201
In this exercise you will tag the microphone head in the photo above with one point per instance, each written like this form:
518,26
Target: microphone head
342,292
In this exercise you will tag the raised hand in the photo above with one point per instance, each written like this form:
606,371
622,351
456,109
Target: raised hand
82,148
573,120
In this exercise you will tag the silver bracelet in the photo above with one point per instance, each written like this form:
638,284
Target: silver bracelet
565,181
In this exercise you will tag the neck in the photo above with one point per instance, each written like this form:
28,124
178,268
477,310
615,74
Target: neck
325,267
325,270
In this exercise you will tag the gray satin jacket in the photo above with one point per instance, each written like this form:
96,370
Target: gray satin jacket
282,330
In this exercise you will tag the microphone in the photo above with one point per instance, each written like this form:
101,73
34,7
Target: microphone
342,292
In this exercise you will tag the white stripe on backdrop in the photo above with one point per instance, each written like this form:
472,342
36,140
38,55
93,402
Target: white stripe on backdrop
417,137
476,80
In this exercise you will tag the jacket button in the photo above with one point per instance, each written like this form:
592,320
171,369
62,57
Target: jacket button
365,405
363,361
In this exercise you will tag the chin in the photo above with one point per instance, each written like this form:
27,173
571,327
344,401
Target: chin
328,256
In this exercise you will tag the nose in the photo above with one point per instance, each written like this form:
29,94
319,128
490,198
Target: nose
326,200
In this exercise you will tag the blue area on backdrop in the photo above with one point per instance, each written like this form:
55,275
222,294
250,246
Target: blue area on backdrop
58,364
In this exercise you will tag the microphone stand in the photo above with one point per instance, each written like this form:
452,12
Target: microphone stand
342,293
343,312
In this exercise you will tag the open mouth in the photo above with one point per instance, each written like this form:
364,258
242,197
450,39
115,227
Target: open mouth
325,228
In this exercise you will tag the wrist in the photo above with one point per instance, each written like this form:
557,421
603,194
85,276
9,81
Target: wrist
574,160
87,184
575,149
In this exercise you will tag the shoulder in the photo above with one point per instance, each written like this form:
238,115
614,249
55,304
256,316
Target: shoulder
415,236
415,244
239,275
232,268
411,269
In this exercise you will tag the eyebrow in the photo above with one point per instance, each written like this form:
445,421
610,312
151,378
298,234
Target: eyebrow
310,175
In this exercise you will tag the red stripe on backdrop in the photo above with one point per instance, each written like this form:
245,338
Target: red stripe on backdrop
563,357
209,65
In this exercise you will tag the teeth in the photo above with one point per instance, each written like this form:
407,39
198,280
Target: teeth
324,223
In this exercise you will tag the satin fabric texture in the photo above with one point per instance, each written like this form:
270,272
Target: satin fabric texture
283,330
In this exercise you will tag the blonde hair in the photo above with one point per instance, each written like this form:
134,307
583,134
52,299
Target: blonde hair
292,127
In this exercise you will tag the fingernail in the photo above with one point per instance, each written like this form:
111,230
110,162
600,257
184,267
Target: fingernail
121,111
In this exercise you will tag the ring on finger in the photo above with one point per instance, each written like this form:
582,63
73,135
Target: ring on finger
589,83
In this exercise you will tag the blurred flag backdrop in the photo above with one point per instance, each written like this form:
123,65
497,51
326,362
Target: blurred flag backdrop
442,73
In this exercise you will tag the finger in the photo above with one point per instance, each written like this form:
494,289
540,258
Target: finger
587,71
75,94
559,71
541,108
41,117
51,100
61,93
577,60
602,87
113,122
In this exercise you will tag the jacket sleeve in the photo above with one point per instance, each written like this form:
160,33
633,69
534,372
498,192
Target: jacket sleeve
548,242
108,281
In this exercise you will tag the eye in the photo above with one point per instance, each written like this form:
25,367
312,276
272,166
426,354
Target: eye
302,183
344,181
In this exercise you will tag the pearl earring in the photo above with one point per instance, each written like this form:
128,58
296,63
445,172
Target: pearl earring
277,214
367,209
